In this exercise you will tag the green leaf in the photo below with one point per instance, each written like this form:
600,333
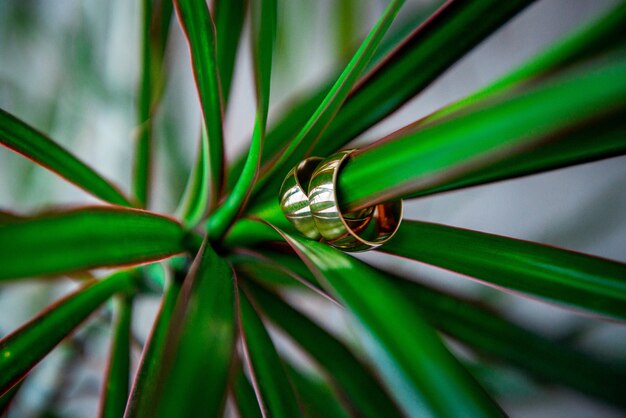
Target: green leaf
492,334
550,273
32,144
6,400
475,325
317,397
274,269
429,51
274,390
200,342
143,394
245,398
302,106
24,348
86,238
408,163
194,202
337,95
352,375
426,378
229,17
156,15
592,40
248,232
115,393
198,25
264,35
594,142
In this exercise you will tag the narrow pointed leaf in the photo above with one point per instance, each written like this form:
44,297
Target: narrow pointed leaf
475,325
425,376
229,17
276,269
594,39
195,200
590,143
198,25
115,390
246,232
86,238
317,397
492,334
6,400
32,144
273,388
554,274
264,35
337,95
200,342
423,56
156,17
303,105
351,374
245,398
406,164
24,348
144,391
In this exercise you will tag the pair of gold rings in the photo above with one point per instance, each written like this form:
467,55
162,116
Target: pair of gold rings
308,198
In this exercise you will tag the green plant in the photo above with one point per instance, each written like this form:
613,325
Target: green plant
210,340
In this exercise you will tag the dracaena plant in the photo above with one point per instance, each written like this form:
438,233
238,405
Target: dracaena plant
227,258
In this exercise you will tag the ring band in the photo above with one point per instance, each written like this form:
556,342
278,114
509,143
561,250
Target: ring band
354,231
294,200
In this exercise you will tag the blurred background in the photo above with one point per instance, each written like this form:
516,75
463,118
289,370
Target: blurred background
70,68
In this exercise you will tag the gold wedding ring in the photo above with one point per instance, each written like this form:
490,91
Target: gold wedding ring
294,199
353,231
308,198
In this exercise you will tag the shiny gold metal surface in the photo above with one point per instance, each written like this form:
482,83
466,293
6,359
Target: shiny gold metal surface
293,197
354,231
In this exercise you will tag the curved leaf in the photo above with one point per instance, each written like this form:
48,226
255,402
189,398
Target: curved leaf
492,334
426,378
592,40
301,106
272,386
406,164
115,390
198,25
594,142
195,199
424,55
337,95
144,391
248,232
245,398
32,144
24,348
229,17
264,34
276,269
317,397
476,325
199,346
359,384
157,15
86,238
558,275
6,400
